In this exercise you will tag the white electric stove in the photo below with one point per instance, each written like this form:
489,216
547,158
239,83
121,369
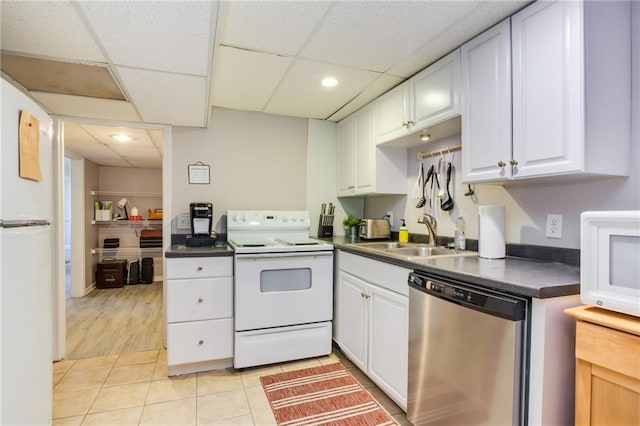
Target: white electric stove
283,287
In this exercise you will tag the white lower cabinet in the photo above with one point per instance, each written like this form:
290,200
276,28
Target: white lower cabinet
199,314
372,314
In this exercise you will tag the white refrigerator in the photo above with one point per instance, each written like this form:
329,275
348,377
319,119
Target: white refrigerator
26,269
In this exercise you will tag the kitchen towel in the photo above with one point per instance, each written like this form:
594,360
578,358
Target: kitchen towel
491,241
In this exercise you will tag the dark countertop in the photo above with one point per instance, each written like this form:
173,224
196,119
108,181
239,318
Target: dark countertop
519,276
178,250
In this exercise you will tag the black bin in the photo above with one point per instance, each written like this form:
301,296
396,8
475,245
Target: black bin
146,270
133,276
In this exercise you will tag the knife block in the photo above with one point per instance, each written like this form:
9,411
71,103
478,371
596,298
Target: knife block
325,226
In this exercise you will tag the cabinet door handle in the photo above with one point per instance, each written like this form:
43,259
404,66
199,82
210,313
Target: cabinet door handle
200,300
501,164
362,294
513,162
410,123
200,268
404,124
201,342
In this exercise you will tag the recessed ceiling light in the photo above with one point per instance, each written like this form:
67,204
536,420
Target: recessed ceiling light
119,137
425,137
329,82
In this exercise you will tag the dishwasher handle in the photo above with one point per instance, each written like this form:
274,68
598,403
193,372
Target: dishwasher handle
500,305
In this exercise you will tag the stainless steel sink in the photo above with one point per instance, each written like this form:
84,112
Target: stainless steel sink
381,245
409,251
422,251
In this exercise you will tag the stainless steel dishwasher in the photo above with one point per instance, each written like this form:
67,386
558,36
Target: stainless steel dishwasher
466,354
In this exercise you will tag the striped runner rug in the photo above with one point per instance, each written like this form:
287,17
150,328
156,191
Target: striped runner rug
325,395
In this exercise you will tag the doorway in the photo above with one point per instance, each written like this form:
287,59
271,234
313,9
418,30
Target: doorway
76,258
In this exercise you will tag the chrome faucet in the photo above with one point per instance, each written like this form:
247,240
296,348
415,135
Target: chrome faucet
432,227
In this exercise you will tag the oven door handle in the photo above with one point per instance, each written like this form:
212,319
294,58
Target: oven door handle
285,255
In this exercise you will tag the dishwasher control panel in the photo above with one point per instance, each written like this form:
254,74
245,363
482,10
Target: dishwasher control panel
502,305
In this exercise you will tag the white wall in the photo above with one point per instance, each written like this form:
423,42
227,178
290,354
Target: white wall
130,179
258,161
527,205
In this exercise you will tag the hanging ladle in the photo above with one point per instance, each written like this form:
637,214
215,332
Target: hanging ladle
448,203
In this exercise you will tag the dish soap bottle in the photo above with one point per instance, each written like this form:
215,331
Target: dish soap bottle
403,233
459,238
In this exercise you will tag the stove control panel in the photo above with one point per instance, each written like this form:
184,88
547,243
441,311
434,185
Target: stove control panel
266,219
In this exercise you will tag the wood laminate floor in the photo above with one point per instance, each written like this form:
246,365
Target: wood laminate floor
114,321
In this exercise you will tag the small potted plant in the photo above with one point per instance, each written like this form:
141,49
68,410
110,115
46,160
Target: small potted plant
350,224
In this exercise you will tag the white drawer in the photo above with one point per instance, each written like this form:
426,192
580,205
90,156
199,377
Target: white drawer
199,341
199,299
199,267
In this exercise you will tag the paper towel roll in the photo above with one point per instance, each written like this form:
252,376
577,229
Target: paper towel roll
491,241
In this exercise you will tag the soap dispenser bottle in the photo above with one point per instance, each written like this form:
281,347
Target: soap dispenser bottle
403,233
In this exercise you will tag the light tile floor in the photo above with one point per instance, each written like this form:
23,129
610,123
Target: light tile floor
133,389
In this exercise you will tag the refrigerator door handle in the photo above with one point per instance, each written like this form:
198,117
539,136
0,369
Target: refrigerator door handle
23,223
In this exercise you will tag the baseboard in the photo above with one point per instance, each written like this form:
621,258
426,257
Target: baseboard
89,289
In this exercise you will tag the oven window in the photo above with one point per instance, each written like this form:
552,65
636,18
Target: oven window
285,280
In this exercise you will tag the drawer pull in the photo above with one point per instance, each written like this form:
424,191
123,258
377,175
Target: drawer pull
200,268
201,342
200,300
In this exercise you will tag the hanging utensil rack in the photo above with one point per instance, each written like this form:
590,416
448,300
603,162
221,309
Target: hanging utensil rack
433,153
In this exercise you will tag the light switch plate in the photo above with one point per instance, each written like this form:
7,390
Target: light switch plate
183,222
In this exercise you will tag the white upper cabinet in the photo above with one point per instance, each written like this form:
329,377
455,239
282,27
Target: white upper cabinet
428,98
435,93
393,115
571,94
486,109
363,168
345,160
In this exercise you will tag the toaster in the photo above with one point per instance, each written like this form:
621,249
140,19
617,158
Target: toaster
370,229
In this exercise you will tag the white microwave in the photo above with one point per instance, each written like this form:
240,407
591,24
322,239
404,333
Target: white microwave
610,260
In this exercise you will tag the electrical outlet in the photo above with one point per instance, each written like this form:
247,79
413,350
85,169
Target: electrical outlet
554,226
390,214
183,222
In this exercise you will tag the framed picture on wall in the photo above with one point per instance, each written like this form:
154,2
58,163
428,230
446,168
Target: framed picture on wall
199,173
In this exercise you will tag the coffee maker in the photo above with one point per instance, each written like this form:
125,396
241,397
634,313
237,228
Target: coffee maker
201,216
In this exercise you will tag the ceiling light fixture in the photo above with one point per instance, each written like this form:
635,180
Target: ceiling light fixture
329,82
425,137
119,137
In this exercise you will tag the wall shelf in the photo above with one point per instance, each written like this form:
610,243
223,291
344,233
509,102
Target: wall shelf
129,252
136,223
125,194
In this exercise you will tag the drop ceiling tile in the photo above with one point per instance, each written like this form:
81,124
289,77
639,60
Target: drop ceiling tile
376,35
163,98
82,106
157,137
45,75
112,162
131,152
103,134
302,95
146,163
378,87
270,26
90,150
485,15
52,29
174,36
245,80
